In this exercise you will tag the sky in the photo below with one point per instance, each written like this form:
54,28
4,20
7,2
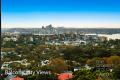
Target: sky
60,13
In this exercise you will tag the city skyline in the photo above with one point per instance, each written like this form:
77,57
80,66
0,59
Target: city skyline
61,13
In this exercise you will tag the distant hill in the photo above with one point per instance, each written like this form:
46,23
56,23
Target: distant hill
84,30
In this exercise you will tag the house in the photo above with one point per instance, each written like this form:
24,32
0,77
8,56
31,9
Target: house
87,67
44,62
5,65
76,68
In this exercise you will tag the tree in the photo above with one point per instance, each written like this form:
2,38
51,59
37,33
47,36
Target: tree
115,60
96,62
58,65
84,75
16,66
116,72
101,52
73,54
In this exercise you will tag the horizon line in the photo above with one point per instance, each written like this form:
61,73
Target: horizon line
64,27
